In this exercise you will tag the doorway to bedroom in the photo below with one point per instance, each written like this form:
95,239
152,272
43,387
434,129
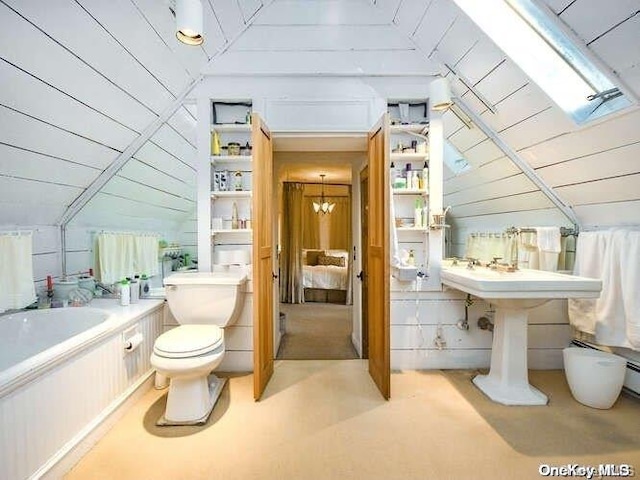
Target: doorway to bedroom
315,231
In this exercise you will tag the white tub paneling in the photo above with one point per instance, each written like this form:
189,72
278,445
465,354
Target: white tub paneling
50,415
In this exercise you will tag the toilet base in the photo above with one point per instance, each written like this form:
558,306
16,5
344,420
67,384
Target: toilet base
214,388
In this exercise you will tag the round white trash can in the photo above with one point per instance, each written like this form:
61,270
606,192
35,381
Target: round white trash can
595,378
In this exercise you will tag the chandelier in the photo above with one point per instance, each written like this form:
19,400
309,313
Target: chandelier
324,206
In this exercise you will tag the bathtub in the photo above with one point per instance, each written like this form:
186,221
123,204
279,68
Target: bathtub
64,374
31,340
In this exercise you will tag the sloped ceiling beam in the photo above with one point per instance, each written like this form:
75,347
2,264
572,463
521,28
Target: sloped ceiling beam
501,144
120,161
81,201
519,162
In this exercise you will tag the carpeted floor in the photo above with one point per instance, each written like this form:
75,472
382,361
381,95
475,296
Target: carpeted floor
317,331
325,420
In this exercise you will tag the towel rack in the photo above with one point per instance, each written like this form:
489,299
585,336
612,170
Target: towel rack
564,231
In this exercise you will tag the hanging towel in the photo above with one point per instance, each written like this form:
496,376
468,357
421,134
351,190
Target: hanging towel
17,289
630,269
146,254
590,262
548,239
549,246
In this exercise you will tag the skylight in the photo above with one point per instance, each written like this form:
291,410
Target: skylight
548,56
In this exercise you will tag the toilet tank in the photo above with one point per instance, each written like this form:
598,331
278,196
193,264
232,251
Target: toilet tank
209,298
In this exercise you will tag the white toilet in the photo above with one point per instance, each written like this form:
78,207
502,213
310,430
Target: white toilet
203,303
595,378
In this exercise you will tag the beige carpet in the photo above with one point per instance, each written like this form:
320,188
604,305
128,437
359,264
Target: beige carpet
317,331
325,420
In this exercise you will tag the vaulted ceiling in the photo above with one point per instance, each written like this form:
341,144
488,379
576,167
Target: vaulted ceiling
85,81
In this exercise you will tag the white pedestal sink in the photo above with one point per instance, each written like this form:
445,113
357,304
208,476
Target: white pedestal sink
514,294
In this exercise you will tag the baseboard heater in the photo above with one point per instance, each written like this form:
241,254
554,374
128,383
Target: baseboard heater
632,376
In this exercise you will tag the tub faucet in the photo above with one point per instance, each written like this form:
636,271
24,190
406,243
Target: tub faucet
105,288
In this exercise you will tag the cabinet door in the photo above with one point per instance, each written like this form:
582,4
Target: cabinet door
263,261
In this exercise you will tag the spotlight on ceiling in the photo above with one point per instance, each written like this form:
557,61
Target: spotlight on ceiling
189,23
440,94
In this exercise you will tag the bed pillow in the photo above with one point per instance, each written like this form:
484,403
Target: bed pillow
312,257
331,260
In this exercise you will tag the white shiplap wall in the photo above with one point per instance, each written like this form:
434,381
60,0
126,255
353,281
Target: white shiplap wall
73,99
588,167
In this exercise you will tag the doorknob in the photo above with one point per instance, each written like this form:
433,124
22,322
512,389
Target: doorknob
361,275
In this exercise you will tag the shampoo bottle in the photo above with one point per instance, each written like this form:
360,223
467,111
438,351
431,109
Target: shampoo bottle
125,293
425,177
393,174
134,290
417,214
215,143
234,216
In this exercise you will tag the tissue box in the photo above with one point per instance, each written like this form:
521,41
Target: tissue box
405,273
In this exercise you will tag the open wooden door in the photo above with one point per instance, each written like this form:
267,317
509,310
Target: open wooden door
377,272
263,262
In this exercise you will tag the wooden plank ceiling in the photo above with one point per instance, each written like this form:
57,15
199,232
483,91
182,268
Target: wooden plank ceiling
81,79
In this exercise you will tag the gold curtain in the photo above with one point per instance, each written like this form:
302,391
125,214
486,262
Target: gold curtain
340,223
311,227
293,212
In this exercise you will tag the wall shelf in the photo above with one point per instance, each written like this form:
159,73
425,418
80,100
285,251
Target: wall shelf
216,159
410,191
409,157
231,194
231,230
231,127
412,229
420,128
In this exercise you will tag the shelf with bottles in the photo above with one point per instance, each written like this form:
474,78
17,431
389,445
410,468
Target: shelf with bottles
418,128
231,159
231,127
220,231
411,191
231,194
409,157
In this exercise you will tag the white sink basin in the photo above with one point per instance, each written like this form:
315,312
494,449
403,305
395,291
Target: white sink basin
513,294
491,284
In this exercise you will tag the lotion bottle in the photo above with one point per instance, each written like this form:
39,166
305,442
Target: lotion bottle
417,214
425,177
125,293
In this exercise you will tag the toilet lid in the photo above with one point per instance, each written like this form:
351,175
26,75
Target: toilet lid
188,341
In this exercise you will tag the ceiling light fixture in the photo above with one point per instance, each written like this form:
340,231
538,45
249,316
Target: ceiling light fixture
189,22
324,206
440,94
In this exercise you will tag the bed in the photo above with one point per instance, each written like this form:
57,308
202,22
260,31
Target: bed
325,275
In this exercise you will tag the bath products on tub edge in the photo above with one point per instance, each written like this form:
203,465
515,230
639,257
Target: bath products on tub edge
144,285
134,288
125,293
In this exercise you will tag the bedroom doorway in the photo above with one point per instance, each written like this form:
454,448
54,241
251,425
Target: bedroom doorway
316,310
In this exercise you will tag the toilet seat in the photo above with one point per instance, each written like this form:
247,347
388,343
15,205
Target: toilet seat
188,341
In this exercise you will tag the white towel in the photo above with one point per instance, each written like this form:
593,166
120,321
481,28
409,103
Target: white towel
590,262
630,270
17,289
548,239
614,318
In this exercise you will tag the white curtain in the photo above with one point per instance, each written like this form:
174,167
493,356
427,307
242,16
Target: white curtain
122,255
17,289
